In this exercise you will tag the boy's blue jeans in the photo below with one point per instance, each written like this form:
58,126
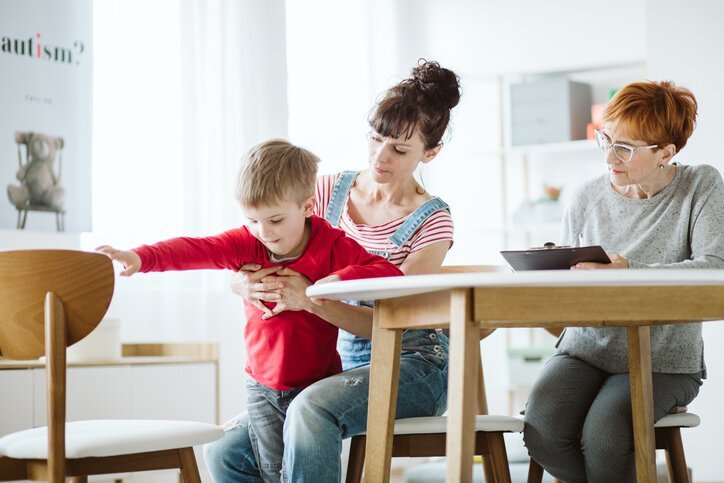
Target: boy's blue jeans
325,413
267,410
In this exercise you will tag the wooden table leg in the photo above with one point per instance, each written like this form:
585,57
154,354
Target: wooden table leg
642,404
462,387
384,377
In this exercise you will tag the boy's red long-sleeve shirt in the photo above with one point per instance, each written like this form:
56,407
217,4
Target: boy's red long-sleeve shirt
295,348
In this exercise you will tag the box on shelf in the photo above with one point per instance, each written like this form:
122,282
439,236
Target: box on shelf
550,110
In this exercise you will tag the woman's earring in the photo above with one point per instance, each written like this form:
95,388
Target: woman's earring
661,166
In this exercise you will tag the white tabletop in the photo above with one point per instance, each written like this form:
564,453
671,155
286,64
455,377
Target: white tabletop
390,287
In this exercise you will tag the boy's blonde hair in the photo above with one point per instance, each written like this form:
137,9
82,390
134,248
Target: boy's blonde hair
276,171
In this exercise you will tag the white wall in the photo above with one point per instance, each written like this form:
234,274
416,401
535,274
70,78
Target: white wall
684,43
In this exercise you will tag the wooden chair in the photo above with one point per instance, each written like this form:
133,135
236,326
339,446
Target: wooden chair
50,299
426,436
667,432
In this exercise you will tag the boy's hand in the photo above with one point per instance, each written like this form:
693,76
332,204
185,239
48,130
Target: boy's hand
130,260
248,284
327,279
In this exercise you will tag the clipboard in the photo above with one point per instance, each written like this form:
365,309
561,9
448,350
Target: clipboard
552,257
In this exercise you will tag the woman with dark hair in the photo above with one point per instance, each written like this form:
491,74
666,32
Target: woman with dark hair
650,213
389,213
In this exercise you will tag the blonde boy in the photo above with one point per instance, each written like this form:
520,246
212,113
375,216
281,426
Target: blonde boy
290,351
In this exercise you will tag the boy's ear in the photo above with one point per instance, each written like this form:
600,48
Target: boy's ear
309,205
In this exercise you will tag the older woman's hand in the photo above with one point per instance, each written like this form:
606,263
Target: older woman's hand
248,283
617,261
292,293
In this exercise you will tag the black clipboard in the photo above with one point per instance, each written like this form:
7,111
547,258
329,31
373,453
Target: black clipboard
552,257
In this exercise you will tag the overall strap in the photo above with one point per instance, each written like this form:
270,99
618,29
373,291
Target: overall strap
416,219
338,198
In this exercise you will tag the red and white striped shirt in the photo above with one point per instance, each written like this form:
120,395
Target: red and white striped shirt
438,227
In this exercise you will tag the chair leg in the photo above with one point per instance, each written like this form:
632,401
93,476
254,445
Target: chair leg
189,470
356,462
499,457
675,458
488,470
535,472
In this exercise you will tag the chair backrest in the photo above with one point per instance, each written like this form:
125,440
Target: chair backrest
82,281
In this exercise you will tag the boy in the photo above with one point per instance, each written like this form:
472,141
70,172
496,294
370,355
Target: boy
275,188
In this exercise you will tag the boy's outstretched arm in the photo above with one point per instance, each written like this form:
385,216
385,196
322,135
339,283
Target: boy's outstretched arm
130,260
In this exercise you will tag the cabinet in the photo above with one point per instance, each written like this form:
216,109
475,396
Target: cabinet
16,405
132,391
176,381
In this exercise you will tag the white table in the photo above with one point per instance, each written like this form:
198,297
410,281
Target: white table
636,299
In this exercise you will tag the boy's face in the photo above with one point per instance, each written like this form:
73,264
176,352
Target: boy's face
280,227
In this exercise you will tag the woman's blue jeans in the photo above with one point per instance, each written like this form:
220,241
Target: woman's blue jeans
325,413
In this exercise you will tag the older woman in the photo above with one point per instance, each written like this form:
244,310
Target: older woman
389,213
650,213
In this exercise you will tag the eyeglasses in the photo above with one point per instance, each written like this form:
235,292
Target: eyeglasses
623,152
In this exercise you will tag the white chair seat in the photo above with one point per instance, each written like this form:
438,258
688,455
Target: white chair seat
680,420
438,424
111,437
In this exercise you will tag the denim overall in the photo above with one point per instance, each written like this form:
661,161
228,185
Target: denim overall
356,351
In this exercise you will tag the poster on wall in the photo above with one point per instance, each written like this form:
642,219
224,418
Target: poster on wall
45,115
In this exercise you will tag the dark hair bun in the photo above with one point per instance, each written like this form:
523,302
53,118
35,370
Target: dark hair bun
437,85
422,101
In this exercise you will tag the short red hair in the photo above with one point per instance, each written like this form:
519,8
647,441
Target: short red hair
655,112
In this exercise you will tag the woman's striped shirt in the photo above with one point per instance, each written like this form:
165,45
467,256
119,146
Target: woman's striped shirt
438,227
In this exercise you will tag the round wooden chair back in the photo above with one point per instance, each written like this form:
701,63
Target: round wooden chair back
82,281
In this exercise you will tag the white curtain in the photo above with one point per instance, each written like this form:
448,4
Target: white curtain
341,56
182,88
234,96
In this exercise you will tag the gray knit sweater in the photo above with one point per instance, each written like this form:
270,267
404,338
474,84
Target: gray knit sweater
680,227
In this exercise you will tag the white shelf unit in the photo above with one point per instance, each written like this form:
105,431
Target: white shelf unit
561,164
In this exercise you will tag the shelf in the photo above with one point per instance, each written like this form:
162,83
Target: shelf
572,70
560,147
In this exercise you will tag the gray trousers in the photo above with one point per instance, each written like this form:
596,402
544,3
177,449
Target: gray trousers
267,410
578,422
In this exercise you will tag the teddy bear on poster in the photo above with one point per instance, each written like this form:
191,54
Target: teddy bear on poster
39,183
